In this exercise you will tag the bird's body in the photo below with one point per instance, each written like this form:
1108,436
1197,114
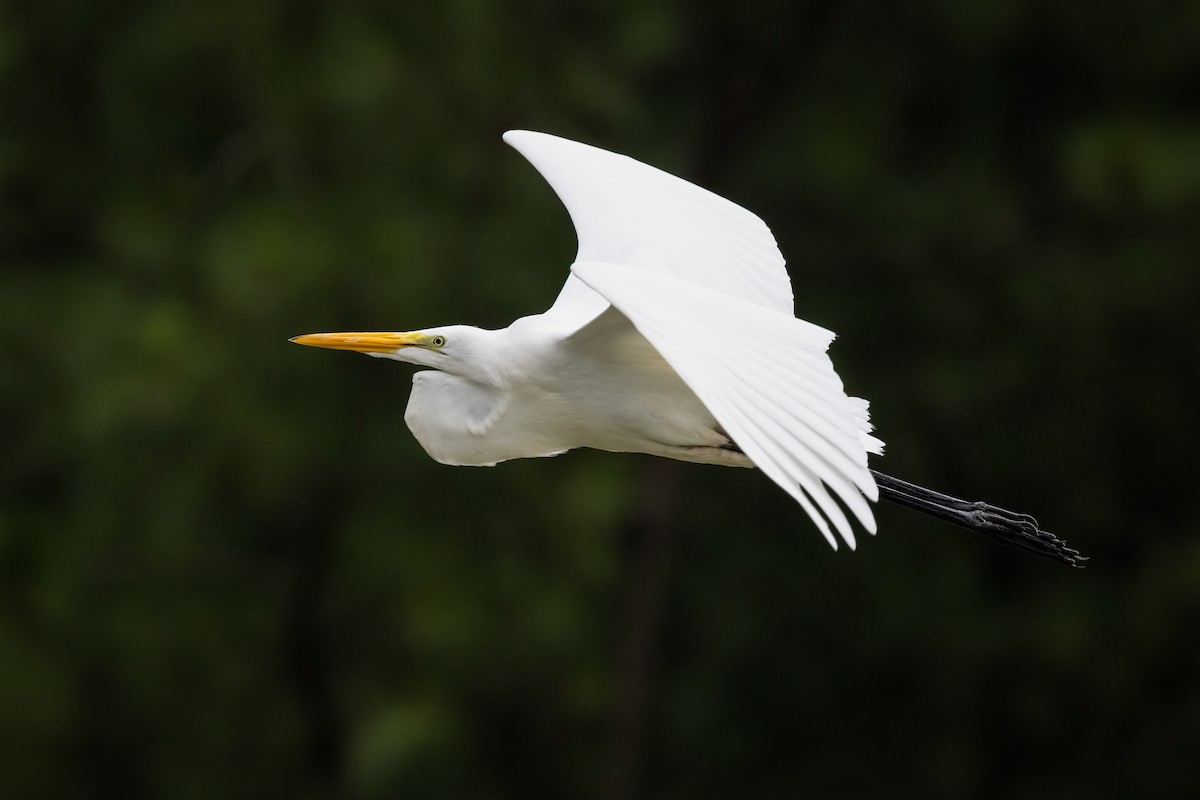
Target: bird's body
675,336
603,387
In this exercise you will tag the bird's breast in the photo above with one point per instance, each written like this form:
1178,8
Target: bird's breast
464,423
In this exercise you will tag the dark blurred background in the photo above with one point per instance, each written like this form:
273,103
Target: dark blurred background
227,569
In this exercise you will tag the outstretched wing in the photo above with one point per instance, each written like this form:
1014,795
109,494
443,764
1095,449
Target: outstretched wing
766,378
702,279
627,212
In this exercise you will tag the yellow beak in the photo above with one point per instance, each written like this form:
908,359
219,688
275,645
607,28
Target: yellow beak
361,342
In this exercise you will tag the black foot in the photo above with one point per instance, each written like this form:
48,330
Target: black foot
998,524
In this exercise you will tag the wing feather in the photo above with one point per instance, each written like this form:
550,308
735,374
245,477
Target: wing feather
817,413
627,212
812,453
753,441
764,376
703,280
784,447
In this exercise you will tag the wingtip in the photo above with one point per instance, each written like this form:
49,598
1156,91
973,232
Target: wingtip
518,136
542,144
515,138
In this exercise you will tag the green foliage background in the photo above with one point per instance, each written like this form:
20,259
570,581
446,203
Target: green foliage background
227,570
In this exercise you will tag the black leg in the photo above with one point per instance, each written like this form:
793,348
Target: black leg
998,524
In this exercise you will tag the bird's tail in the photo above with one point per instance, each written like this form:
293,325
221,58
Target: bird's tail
862,415
998,524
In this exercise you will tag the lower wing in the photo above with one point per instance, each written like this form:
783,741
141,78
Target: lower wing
765,376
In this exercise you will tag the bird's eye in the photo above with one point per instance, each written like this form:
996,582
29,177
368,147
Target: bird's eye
439,341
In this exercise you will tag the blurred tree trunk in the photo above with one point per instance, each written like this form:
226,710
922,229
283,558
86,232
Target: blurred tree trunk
307,666
743,90
650,542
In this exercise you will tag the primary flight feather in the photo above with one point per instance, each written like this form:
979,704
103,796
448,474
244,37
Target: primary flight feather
674,335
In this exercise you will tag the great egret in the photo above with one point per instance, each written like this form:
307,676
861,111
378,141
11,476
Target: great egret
675,336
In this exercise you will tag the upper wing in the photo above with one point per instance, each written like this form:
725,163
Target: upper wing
627,212
765,376
703,280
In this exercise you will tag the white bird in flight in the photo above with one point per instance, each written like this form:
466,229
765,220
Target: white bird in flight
674,335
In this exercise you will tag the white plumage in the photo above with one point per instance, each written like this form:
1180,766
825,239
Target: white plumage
674,335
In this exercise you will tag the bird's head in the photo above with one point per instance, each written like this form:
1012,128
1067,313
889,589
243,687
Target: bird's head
457,349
